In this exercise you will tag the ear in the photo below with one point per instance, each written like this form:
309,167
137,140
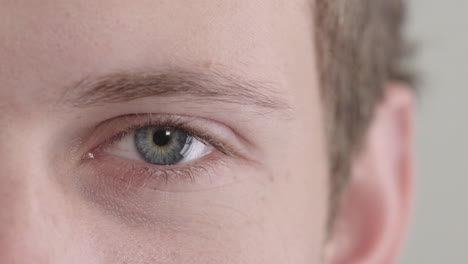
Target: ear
374,214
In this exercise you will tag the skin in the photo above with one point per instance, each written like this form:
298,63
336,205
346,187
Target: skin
269,204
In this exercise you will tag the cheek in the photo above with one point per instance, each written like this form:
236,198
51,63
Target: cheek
297,208
277,219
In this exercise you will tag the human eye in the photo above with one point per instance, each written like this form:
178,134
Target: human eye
164,145
163,152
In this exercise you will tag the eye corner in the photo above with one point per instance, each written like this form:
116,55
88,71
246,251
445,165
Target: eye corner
88,156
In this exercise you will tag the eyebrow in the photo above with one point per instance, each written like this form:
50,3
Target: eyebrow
203,85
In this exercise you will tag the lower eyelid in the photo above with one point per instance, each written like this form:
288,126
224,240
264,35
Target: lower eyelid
127,175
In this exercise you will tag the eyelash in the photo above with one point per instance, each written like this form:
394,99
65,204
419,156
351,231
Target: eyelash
168,173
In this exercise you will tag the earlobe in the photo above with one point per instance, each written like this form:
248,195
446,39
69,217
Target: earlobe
375,207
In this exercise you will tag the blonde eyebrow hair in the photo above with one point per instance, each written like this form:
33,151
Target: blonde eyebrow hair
201,85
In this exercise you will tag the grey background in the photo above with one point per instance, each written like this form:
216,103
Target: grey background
439,232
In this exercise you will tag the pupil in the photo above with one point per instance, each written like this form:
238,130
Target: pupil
162,137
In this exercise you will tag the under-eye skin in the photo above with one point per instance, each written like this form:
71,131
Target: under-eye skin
161,152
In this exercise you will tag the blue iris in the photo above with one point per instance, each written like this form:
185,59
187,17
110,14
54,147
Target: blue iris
160,145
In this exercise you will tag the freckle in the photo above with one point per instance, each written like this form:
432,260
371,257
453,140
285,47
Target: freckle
271,177
207,64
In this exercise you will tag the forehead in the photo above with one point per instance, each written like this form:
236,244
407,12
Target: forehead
47,44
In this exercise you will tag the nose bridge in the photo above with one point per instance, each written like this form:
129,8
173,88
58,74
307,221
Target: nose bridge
26,204
24,230
22,227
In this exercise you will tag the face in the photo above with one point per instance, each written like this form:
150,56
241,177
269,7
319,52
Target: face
160,132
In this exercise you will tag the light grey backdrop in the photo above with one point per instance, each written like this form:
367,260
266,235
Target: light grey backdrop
439,232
